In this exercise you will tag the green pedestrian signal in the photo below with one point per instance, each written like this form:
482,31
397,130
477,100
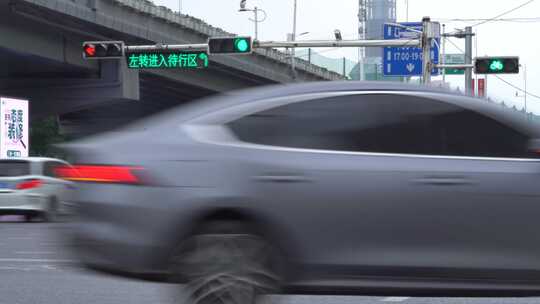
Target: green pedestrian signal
230,45
496,65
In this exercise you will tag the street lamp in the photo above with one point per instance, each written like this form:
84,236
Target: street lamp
293,51
255,11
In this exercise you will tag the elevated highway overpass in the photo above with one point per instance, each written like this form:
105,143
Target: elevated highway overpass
40,56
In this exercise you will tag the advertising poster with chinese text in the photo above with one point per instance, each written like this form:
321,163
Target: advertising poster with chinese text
14,141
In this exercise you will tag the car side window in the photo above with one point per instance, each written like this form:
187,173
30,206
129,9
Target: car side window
49,168
381,123
467,133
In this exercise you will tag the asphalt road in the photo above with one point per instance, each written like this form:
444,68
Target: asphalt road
35,268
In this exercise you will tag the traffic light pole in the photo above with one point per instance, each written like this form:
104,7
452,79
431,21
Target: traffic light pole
336,43
281,44
427,39
167,47
454,66
468,60
243,45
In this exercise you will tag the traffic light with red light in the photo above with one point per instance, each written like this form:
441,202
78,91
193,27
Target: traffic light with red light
103,49
496,65
230,45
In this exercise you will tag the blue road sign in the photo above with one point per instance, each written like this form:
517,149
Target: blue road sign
406,61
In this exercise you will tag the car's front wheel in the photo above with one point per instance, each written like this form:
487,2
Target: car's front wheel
226,263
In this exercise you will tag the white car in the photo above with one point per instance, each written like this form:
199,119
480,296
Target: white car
29,187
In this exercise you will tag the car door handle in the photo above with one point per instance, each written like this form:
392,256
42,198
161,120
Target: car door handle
443,181
282,178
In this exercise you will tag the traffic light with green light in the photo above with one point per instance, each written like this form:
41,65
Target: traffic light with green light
103,49
496,65
230,45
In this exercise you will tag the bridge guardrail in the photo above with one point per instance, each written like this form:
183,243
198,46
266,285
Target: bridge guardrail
206,29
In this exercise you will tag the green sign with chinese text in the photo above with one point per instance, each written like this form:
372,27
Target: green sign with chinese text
167,60
455,59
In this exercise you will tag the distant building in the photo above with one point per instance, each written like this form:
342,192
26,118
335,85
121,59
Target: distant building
372,16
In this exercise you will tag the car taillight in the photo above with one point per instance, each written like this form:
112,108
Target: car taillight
100,174
29,184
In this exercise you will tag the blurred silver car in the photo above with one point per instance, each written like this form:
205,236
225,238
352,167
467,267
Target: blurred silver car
30,187
317,188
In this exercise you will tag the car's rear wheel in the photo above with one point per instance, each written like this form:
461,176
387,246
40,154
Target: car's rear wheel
226,263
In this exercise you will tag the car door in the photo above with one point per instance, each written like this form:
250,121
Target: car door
323,166
487,227
369,184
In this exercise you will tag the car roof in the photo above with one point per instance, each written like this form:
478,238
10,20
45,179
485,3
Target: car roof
236,97
494,110
32,159
172,118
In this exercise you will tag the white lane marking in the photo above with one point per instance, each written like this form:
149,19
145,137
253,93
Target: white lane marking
395,299
49,267
13,268
35,260
34,252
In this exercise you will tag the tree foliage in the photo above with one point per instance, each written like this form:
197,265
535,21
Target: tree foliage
44,133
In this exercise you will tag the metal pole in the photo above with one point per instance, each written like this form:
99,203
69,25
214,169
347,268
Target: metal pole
453,66
363,60
361,50
180,6
525,76
293,59
485,86
426,51
286,44
256,12
444,53
337,43
360,64
167,47
309,55
468,60
477,86
407,9
344,62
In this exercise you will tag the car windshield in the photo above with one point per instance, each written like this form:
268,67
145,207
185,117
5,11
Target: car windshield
14,168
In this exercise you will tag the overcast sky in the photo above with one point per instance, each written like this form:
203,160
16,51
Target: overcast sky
321,17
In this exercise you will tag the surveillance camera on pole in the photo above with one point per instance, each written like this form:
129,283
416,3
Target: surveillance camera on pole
337,34
242,5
